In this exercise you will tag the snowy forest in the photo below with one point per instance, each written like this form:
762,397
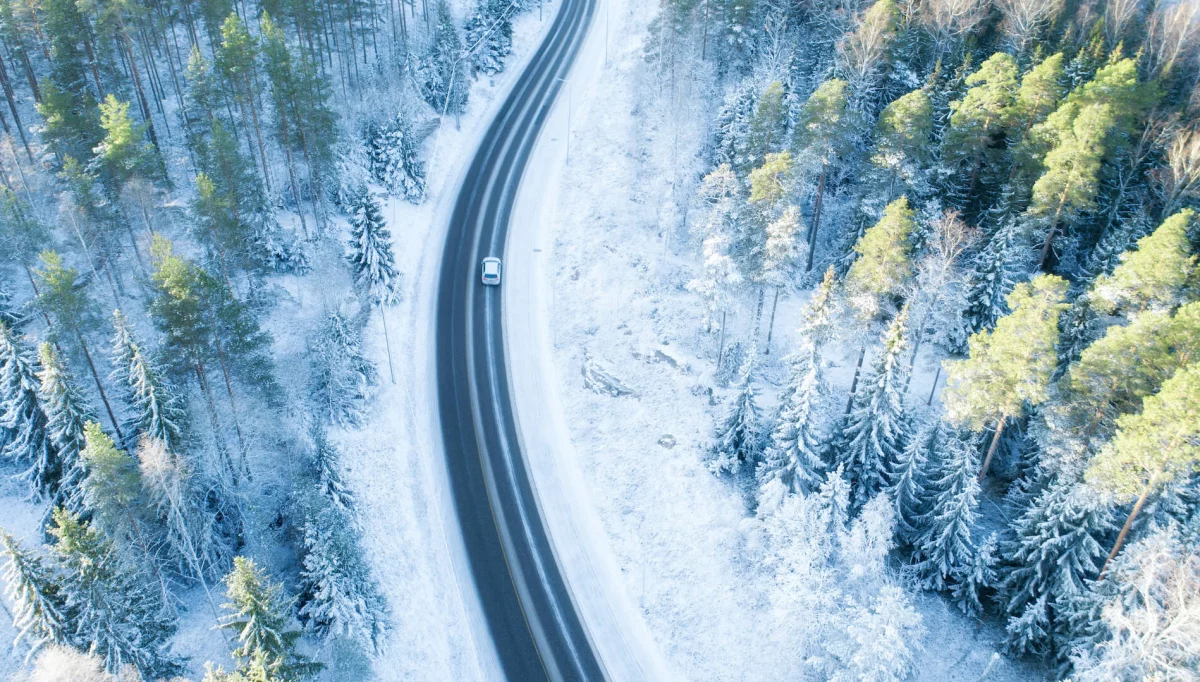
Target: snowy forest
998,197
170,171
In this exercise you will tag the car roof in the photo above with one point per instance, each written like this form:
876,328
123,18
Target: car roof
491,259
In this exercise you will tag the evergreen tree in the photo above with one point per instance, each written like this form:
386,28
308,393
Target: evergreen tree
794,453
27,441
769,123
1010,367
978,118
1053,553
1152,449
824,134
1040,93
444,69
122,154
909,482
875,433
902,140
338,596
114,612
1072,171
884,263
38,613
731,137
392,158
341,379
488,34
66,414
945,550
327,462
975,577
739,437
1156,274
258,618
371,258
158,414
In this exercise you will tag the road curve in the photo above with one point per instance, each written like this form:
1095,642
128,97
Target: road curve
534,624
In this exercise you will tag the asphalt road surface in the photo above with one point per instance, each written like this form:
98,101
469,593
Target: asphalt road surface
533,622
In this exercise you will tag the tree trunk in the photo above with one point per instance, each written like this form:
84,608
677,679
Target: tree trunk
987,461
758,308
1050,235
816,220
262,151
933,391
1137,509
287,152
704,39
218,435
771,324
237,427
862,353
99,387
12,105
721,342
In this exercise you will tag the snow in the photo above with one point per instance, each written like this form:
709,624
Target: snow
651,543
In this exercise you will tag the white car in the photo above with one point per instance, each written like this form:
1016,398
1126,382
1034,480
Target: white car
491,271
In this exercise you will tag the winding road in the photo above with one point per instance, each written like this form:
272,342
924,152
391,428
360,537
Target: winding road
534,623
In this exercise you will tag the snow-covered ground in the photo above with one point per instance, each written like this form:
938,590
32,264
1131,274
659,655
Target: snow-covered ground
645,532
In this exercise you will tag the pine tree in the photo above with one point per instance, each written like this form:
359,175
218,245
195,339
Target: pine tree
902,140
1055,550
1040,93
875,433
371,258
980,116
258,618
945,550
739,438
21,417
114,612
824,132
338,596
884,264
66,414
122,154
1071,179
1152,449
769,123
444,69
39,614
1153,276
158,414
488,34
1010,367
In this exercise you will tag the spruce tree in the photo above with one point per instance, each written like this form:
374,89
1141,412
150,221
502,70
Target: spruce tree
27,441
738,443
946,550
975,577
338,596
371,258
1053,553
114,611
488,34
731,137
1010,367
326,465
39,613
874,434
258,618
392,156
66,414
158,414
909,482
444,68
341,380
793,455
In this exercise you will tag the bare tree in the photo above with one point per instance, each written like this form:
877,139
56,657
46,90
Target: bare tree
1119,15
1172,36
1024,19
950,20
1180,178
864,52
